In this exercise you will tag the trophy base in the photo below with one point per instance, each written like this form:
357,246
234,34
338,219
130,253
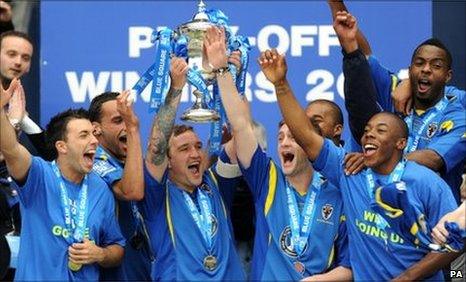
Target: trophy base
200,115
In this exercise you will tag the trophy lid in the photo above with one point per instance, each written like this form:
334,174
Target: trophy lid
200,20
201,15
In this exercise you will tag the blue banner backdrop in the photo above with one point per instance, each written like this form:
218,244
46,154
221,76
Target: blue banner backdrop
91,47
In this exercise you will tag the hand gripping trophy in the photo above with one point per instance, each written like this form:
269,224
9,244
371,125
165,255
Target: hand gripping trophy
187,41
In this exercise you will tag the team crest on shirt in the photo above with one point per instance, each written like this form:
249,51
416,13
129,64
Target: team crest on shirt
327,211
286,245
431,129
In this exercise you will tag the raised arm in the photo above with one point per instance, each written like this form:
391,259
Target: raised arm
156,155
360,92
19,117
235,108
18,159
131,185
273,65
339,5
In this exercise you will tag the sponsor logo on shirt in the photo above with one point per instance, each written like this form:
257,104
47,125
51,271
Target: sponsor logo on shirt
447,126
61,231
103,168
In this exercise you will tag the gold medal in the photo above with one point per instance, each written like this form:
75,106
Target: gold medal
210,263
74,266
299,267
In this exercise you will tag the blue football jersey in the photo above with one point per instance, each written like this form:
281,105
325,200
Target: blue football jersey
136,264
178,244
274,257
380,254
43,253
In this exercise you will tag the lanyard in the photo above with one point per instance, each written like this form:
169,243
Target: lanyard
202,219
301,224
414,142
80,219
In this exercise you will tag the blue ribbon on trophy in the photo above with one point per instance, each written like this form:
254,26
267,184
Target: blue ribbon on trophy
244,47
162,68
186,41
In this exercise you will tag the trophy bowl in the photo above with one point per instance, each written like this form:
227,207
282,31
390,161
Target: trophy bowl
194,31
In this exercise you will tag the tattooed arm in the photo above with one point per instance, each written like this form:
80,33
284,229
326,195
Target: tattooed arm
156,155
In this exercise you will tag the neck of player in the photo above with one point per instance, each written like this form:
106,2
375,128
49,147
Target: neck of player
68,172
389,165
424,104
302,180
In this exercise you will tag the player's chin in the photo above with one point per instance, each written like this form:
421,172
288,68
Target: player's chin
195,181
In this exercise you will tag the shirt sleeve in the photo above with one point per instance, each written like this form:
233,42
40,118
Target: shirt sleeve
111,233
385,82
28,190
342,254
439,201
360,93
154,195
455,155
330,162
107,171
449,136
458,93
257,174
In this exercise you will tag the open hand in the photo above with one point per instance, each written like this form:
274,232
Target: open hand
273,65
215,47
6,94
17,104
354,163
125,109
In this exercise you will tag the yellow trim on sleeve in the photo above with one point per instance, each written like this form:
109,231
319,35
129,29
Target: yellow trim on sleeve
331,257
213,177
272,188
169,217
394,82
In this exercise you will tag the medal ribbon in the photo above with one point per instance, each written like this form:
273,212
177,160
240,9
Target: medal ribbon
80,219
202,219
301,224
414,142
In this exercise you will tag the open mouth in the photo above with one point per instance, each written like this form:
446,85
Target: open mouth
369,149
89,157
423,85
122,139
288,157
194,167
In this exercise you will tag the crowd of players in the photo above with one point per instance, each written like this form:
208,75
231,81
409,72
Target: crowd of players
92,206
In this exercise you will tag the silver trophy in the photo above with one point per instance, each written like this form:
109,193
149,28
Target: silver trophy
194,31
